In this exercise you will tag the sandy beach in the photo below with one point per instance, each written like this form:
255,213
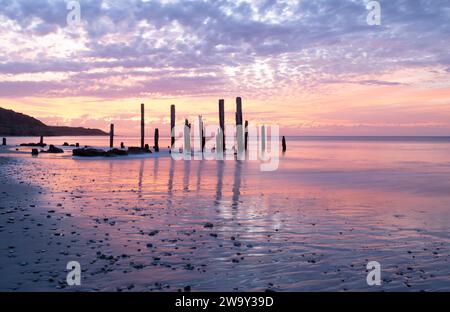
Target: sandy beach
155,224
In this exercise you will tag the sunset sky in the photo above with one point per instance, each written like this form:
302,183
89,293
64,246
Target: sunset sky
315,67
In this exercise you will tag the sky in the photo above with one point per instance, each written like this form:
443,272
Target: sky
313,67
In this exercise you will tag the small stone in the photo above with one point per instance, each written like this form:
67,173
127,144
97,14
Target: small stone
208,225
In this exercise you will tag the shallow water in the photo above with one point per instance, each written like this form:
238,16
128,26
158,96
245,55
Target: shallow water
314,224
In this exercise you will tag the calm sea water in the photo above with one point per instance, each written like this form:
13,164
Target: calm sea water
333,205
103,141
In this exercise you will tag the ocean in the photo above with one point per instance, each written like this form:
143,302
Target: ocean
152,223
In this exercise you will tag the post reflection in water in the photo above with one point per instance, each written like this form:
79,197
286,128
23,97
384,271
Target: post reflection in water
155,168
220,169
110,171
170,183
199,175
214,180
236,184
141,175
186,174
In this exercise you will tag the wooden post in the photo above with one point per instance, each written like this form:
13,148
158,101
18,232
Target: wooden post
187,137
111,136
157,140
246,134
222,120
219,144
122,145
203,139
201,134
41,141
142,125
172,126
4,141
239,129
238,111
284,144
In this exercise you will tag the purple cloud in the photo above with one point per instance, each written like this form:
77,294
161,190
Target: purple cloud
192,46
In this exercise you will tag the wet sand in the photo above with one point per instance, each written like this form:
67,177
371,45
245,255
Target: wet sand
162,225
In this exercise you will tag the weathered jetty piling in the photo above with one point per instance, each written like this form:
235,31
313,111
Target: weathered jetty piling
222,122
4,141
219,143
201,133
243,133
239,126
142,126
187,136
246,135
156,140
111,136
203,139
41,141
172,126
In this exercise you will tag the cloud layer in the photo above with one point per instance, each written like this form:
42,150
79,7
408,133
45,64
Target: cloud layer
165,48
254,48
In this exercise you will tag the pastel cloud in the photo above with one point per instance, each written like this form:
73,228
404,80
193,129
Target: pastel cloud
269,51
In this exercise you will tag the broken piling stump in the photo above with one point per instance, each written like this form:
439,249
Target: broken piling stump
283,143
4,141
111,136
156,140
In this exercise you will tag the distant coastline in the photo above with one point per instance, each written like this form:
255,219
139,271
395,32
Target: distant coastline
17,124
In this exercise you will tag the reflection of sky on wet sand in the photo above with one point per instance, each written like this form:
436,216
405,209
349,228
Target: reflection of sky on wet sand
310,225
